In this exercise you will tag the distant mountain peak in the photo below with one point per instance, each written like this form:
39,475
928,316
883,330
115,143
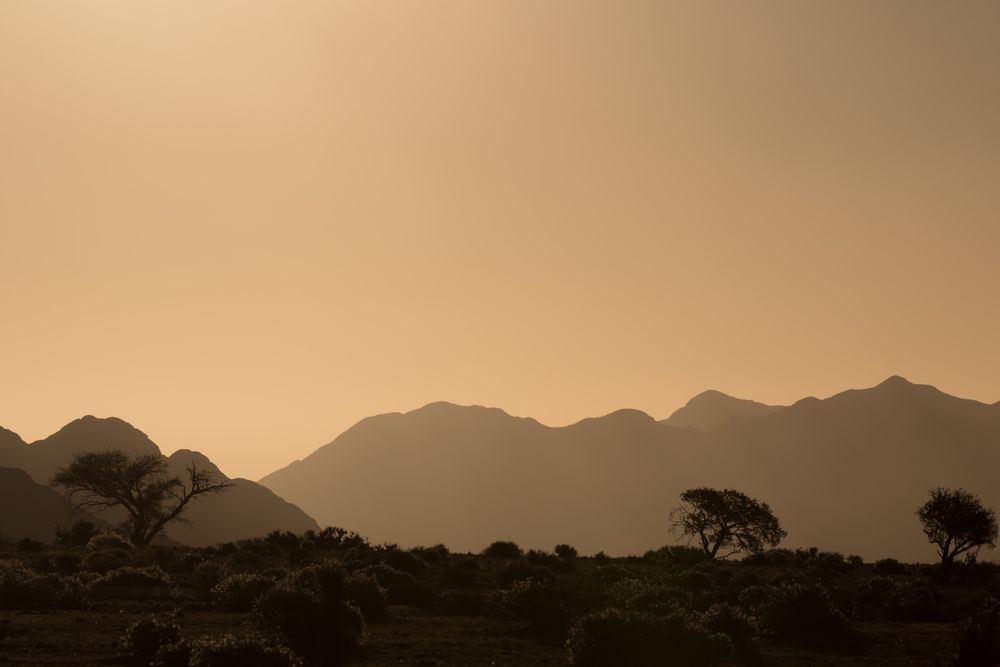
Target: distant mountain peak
895,381
713,408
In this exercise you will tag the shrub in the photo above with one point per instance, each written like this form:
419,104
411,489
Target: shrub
331,538
803,614
647,595
542,606
609,574
144,638
23,588
401,587
753,598
66,562
404,561
106,541
695,581
979,636
241,591
680,556
461,572
323,628
630,639
522,570
771,557
730,621
28,545
434,554
230,651
565,551
130,582
209,573
502,550
370,598
106,560
889,566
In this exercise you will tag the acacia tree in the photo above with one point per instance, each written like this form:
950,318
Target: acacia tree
141,485
728,521
957,522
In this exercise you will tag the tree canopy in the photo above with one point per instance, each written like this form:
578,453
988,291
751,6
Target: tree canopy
726,521
141,485
957,522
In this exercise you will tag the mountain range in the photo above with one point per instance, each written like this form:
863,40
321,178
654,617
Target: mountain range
845,473
31,508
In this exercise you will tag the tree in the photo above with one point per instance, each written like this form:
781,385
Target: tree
141,485
726,520
957,522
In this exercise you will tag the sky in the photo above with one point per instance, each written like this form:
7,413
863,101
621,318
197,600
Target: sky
244,226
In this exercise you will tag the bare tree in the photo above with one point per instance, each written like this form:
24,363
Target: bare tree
141,485
726,520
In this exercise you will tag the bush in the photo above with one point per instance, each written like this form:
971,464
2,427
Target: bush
230,651
66,562
108,541
326,630
461,572
897,600
979,637
523,570
401,587
503,550
645,595
615,638
730,621
771,557
679,556
370,598
889,566
542,606
434,554
565,551
127,581
144,638
241,591
23,588
106,560
404,561
209,573
28,545
803,614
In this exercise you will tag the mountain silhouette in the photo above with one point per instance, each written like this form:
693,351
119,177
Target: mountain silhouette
711,408
244,510
843,473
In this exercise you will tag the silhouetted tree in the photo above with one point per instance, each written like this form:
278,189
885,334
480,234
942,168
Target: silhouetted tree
141,485
957,522
726,520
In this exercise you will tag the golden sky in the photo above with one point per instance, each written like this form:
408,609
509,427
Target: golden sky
242,226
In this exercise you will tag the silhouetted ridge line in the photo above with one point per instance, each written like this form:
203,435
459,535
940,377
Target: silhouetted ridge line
470,474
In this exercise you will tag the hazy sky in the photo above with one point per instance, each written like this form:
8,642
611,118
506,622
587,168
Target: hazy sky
242,226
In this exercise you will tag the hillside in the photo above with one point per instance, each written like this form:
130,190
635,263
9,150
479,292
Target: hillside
28,509
844,473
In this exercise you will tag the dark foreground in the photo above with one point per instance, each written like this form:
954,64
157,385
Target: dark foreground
379,605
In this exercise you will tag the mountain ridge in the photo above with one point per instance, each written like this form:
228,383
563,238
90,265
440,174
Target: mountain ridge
606,483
